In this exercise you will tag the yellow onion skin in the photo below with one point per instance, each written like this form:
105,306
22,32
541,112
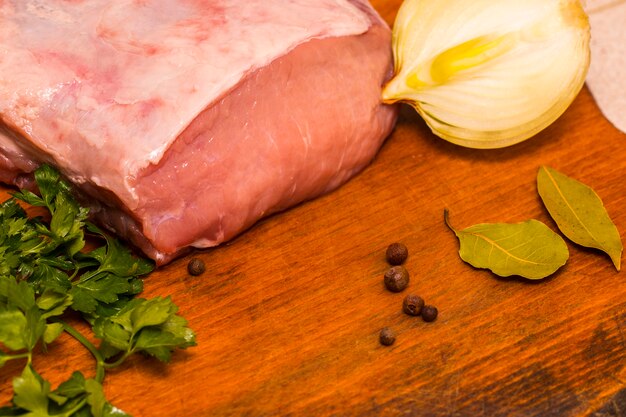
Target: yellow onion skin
489,73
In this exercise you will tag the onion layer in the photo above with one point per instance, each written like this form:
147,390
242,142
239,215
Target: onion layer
489,73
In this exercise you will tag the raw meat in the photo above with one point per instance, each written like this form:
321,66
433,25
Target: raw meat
182,122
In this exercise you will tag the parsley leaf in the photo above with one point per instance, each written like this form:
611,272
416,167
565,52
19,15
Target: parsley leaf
21,323
31,392
100,407
149,326
76,397
116,258
45,271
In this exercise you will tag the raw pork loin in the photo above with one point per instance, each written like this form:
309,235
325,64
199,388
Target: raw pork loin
183,122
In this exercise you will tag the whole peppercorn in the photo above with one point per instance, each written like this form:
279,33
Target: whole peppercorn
412,305
429,313
396,253
396,278
195,266
387,336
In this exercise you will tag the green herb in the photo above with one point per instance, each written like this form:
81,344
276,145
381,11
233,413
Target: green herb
76,397
45,271
528,249
579,213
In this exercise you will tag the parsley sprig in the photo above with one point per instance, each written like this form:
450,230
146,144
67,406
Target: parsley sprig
45,273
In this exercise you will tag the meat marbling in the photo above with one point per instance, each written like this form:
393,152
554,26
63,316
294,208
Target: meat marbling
182,122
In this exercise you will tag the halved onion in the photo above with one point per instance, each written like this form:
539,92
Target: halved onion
489,73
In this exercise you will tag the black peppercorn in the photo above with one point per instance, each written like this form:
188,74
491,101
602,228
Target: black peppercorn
396,253
429,313
412,305
396,278
387,336
195,266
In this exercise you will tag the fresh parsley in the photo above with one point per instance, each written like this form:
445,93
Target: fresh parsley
46,272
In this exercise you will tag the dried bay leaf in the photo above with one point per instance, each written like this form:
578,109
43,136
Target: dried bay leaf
579,213
529,249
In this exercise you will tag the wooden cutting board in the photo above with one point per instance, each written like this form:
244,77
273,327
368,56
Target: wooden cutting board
287,315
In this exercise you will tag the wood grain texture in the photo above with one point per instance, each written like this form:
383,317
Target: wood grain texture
287,315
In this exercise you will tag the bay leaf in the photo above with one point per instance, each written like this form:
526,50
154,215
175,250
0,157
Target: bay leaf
579,213
529,249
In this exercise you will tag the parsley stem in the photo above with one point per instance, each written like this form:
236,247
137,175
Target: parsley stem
118,362
76,408
27,355
92,349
